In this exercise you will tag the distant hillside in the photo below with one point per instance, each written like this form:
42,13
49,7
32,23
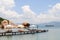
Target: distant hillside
1,19
50,24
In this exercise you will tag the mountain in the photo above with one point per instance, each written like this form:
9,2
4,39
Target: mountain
50,24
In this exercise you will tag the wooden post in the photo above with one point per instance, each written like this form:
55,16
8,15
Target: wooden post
37,26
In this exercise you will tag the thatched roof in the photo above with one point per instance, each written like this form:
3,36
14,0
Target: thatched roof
26,24
1,19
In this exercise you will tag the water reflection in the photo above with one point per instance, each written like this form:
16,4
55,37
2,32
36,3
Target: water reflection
5,37
24,37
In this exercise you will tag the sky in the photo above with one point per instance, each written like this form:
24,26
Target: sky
32,11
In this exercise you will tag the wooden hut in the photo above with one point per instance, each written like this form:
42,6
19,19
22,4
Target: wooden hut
4,23
26,24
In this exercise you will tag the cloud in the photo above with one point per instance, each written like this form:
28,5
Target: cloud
5,6
5,10
52,14
7,3
29,15
10,13
55,11
27,10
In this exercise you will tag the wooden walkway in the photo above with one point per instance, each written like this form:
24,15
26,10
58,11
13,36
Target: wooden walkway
21,32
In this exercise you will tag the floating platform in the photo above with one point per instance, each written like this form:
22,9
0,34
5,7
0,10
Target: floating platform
20,32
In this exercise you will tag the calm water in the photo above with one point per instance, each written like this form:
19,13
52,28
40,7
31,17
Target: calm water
52,34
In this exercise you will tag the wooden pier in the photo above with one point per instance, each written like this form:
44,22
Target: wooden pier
21,32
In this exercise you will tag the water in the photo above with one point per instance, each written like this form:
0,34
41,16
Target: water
52,34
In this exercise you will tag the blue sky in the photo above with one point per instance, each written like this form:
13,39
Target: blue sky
32,11
35,5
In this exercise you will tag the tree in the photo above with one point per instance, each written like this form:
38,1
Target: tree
1,19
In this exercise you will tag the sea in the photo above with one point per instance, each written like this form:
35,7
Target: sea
52,34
